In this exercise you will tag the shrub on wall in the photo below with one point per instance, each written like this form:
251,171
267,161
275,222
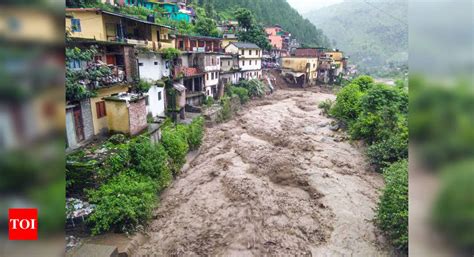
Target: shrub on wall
226,111
122,203
176,146
150,160
196,133
392,211
241,92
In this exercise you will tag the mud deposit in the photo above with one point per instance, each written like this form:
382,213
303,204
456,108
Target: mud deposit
274,181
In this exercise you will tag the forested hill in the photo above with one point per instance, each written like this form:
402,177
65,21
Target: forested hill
373,33
271,12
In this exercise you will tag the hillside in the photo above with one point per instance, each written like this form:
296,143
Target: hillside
270,12
374,34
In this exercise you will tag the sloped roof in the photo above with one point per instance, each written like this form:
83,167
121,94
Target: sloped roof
245,45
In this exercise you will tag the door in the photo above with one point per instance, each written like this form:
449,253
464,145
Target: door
78,124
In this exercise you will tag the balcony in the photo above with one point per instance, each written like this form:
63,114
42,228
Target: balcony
187,71
154,45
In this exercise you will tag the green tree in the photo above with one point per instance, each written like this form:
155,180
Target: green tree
206,27
245,18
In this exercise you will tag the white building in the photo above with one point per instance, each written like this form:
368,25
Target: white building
212,67
153,68
249,59
230,71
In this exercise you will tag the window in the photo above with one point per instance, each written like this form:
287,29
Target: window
314,65
76,25
156,63
75,64
100,108
212,75
207,76
243,63
228,63
242,51
147,100
250,52
159,96
140,64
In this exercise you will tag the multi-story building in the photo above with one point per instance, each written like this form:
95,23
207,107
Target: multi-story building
249,59
279,40
153,68
100,25
230,71
332,64
199,66
301,71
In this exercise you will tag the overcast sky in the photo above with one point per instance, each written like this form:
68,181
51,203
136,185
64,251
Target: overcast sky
304,6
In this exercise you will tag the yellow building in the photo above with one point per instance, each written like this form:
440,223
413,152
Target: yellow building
227,41
126,114
99,108
97,24
299,66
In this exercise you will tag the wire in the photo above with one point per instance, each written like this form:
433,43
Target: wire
393,17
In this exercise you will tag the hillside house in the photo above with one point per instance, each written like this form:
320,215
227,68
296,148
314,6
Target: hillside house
332,65
153,68
100,25
301,71
199,44
230,70
249,57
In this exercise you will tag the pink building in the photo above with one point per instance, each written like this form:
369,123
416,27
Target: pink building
274,36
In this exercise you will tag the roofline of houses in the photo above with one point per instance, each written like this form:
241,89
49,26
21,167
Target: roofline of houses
117,15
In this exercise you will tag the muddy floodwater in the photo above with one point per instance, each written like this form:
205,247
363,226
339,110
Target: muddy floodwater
273,181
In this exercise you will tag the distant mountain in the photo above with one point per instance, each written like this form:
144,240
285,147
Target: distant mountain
374,33
271,12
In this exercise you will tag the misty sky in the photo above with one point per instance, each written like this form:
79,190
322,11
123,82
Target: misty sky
304,6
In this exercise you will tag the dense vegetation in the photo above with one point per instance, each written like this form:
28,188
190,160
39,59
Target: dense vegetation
377,114
392,213
123,185
270,12
374,35
454,207
441,134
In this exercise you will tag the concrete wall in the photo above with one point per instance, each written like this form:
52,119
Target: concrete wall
226,64
117,116
70,129
137,115
155,105
86,112
152,67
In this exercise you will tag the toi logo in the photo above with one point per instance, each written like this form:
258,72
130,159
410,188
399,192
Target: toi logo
23,224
